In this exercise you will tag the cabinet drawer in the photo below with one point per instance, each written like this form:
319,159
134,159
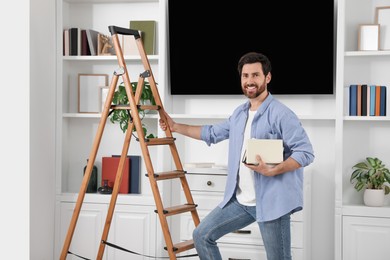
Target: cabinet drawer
206,182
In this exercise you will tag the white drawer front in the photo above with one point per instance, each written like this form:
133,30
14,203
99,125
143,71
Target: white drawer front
206,183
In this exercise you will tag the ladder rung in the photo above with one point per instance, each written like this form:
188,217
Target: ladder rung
119,107
148,107
182,246
160,141
168,175
179,209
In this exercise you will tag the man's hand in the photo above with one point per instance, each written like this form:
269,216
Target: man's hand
261,167
169,122
271,170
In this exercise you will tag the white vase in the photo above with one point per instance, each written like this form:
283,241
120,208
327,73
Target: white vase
374,198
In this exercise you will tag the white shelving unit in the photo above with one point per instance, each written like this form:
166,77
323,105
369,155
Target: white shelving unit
358,137
75,133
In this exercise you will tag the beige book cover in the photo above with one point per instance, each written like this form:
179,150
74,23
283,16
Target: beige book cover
270,150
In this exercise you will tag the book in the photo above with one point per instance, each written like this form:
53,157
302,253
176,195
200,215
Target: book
364,100
74,41
353,100
359,100
129,45
109,170
135,173
372,100
66,42
84,44
383,99
92,37
377,100
270,151
148,34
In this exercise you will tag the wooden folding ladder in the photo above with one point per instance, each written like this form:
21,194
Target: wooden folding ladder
162,211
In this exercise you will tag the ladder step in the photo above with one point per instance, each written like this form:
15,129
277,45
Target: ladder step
148,107
179,209
143,107
160,141
168,175
183,246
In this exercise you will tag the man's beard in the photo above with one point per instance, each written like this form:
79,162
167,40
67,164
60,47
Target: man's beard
258,92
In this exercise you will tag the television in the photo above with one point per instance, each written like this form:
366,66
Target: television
205,42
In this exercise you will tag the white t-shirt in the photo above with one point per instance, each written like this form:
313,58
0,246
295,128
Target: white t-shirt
246,184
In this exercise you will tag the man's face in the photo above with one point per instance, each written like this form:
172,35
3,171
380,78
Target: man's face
253,80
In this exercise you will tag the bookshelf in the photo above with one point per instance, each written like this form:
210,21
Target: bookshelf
358,137
75,133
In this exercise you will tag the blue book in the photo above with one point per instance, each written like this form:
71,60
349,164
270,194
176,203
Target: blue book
353,100
382,104
135,173
372,100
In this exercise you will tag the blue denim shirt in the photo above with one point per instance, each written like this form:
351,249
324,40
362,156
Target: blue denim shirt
278,195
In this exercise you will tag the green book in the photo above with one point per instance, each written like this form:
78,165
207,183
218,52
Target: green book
148,34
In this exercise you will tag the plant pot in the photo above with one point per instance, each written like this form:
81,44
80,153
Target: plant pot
374,198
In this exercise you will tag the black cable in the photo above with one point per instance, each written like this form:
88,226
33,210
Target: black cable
132,252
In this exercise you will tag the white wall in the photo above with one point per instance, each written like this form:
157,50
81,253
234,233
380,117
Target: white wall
14,130
42,129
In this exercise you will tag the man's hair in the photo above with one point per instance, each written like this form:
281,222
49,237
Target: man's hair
254,57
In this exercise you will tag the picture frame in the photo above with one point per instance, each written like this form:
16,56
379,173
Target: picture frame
368,39
103,96
89,92
382,17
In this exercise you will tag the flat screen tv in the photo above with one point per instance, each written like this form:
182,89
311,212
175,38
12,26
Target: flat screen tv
206,40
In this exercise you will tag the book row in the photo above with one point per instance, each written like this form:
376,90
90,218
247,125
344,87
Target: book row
367,100
89,42
130,177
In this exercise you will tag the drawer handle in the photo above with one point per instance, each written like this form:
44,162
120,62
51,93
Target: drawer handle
242,232
209,183
238,258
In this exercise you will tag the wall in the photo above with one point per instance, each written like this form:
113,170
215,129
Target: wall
14,131
42,129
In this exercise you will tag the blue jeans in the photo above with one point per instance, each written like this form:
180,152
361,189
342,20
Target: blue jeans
276,233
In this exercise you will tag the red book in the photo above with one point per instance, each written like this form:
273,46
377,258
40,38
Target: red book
109,170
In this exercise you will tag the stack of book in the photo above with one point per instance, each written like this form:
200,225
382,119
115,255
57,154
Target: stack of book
131,173
367,100
86,42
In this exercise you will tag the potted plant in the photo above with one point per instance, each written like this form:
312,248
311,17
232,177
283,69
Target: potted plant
372,175
122,116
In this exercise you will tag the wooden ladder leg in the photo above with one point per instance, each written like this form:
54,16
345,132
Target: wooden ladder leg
115,191
88,170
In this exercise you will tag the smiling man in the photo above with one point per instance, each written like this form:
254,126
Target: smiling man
262,193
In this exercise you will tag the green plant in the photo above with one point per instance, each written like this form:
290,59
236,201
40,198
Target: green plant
122,116
371,174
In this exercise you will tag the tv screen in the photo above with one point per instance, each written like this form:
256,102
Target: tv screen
205,42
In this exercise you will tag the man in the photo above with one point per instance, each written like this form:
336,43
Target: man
262,193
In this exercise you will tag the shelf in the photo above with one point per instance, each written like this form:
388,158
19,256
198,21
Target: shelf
109,1
366,118
365,211
366,53
82,115
107,58
225,116
133,199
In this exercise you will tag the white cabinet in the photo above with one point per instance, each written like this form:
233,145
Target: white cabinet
365,235
207,186
88,232
358,137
